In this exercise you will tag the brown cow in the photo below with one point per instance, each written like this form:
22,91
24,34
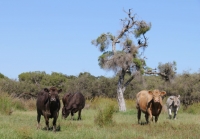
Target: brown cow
48,105
73,103
150,103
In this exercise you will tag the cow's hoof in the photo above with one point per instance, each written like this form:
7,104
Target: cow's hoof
143,123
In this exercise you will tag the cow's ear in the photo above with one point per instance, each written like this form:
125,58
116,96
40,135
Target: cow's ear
178,96
150,92
162,93
46,89
60,90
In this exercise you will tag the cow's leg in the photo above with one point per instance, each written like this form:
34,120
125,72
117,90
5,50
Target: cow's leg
156,118
170,113
79,114
46,121
139,115
38,120
149,115
175,113
54,124
72,115
54,120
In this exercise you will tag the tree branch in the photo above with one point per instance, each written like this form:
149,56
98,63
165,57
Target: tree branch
130,79
157,73
126,27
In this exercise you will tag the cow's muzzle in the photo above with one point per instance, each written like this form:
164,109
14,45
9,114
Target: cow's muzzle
53,99
156,100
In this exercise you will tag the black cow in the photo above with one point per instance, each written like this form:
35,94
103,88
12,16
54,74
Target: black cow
73,103
48,105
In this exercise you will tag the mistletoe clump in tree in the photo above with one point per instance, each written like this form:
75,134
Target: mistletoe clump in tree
127,60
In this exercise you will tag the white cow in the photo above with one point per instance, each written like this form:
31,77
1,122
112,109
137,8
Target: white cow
173,104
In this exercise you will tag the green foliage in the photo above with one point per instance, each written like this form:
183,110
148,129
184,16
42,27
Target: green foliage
128,42
84,83
185,84
18,104
104,57
32,77
15,87
191,109
105,116
102,42
1,75
41,78
5,104
142,28
138,62
106,108
169,69
8,104
55,79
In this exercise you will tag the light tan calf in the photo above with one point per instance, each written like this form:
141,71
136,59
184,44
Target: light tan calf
150,103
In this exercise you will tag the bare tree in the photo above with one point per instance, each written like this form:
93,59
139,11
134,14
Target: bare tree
128,60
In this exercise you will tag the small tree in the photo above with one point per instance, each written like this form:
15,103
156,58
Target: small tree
127,60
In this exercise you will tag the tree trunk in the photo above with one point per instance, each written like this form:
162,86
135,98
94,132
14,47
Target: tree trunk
120,91
120,98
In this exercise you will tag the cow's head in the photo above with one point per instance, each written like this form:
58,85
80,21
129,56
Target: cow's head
176,101
53,94
157,95
65,112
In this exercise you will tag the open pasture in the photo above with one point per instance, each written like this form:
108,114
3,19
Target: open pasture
21,124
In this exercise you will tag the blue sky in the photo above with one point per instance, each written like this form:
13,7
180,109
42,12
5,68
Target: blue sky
55,36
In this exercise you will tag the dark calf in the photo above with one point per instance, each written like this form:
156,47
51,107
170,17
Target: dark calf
73,103
48,105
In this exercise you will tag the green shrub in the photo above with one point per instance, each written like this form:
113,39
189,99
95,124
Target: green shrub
8,104
18,104
192,109
105,116
30,104
5,104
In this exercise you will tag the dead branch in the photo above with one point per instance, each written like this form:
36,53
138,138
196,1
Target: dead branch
129,24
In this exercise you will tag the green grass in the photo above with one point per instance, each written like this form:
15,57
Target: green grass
23,125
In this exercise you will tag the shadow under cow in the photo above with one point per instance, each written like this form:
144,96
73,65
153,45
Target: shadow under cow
58,128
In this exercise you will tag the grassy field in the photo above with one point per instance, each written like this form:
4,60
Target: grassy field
21,124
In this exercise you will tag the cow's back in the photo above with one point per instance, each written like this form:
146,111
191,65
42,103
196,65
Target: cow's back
143,98
77,100
66,98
